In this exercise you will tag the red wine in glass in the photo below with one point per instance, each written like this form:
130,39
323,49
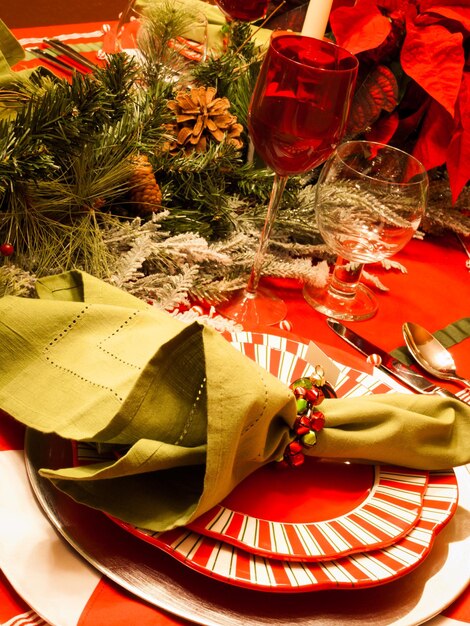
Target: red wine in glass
297,117
292,135
296,121
243,10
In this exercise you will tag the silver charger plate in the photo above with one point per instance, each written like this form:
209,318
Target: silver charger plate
157,578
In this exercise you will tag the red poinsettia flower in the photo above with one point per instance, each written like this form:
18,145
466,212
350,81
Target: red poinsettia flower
414,82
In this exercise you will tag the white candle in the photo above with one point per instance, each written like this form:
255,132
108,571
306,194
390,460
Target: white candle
316,19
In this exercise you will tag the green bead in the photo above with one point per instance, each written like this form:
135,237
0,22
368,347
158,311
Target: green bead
302,406
310,439
302,382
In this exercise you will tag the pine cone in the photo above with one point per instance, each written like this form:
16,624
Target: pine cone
145,191
201,117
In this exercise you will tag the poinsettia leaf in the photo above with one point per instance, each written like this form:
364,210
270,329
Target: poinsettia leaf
434,58
360,27
433,141
458,154
448,10
387,84
378,92
384,128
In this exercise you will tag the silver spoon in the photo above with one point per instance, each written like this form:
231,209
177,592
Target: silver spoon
431,354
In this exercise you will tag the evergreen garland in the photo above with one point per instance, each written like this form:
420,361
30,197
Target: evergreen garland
66,165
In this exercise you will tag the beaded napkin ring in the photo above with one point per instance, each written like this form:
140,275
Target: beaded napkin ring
309,393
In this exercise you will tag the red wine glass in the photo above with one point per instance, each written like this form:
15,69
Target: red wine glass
297,117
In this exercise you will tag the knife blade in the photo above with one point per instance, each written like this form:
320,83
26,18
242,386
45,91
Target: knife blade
393,366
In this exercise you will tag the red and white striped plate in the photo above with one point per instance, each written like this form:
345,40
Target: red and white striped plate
238,567
286,359
338,509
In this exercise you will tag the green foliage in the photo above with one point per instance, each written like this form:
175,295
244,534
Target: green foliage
66,151
234,73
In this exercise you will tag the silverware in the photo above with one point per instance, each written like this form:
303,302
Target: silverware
388,362
431,354
69,52
52,60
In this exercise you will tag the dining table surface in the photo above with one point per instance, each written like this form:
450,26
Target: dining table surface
43,580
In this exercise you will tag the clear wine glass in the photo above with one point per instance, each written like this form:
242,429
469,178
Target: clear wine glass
243,10
370,199
297,116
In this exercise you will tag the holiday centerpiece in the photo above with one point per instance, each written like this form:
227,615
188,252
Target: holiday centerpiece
151,184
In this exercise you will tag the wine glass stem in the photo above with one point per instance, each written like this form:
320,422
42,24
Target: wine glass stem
345,278
276,194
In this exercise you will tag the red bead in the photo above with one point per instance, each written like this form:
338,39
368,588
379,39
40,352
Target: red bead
299,392
317,421
296,460
301,425
6,249
315,395
294,448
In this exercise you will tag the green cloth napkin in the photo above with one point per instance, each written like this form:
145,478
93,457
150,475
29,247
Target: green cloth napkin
90,362
189,416
11,53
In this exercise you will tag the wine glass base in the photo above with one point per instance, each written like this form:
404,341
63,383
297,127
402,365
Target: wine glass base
254,309
360,307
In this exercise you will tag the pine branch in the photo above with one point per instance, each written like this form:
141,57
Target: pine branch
118,80
167,292
233,73
373,280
